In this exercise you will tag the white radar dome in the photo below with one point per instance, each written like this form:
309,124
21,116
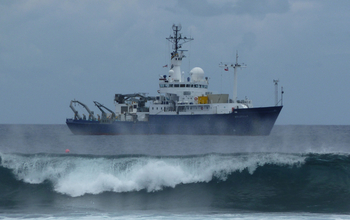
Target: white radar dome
197,74
171,73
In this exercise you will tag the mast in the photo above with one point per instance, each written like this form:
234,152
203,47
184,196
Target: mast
275,81
235,66
176,56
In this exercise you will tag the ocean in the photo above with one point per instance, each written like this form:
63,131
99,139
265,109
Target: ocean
298,172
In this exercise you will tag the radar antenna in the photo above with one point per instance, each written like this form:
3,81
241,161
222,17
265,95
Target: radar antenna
176,58
177,38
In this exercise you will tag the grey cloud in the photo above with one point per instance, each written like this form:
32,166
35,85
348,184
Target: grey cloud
248,41
255,8
261,7
201,8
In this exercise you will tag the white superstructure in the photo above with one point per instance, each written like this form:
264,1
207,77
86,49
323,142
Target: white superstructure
191,95
179,95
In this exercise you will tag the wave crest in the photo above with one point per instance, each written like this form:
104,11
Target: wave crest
76,175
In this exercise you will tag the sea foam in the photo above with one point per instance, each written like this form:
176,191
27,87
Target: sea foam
76,175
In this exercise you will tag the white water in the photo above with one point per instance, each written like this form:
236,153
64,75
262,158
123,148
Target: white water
76,176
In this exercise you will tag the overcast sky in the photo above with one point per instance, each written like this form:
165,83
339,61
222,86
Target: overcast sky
54,51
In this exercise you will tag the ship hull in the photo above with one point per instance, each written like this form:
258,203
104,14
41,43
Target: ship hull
251,121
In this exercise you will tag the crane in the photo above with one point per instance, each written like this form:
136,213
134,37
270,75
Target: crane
76,115
104,115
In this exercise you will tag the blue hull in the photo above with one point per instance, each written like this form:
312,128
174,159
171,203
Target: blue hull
251,121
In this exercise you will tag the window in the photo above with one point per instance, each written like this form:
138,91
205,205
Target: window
182,85
196,86
187,85
176,85
170,85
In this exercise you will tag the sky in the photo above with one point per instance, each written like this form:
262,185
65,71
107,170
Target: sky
54,51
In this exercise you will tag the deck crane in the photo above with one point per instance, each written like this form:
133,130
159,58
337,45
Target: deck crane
104,115
76,115
139,98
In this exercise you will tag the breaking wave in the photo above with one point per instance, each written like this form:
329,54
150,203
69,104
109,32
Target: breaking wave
255,181
76,175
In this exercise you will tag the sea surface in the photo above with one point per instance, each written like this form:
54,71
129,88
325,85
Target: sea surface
298,172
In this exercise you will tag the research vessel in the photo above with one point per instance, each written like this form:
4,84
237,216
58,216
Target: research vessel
183,106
